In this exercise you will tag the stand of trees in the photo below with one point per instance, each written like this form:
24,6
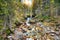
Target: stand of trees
13,10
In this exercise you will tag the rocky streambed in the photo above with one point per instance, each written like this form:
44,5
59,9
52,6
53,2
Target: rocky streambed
36,31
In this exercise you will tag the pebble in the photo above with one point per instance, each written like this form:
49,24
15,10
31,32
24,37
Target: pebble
29,39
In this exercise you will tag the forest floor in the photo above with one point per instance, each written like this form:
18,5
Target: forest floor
46,30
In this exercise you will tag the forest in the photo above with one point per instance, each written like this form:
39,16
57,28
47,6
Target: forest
29,19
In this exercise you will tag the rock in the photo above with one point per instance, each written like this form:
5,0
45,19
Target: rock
57,24
18,23
29,28
10,37
24,31
27,22
49,20
29,39
40,23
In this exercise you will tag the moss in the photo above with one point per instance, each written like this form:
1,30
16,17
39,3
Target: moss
1,38
1,21
8,31
1,27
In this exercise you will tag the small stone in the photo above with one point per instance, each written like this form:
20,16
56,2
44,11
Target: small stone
9,36
29,39
48,39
